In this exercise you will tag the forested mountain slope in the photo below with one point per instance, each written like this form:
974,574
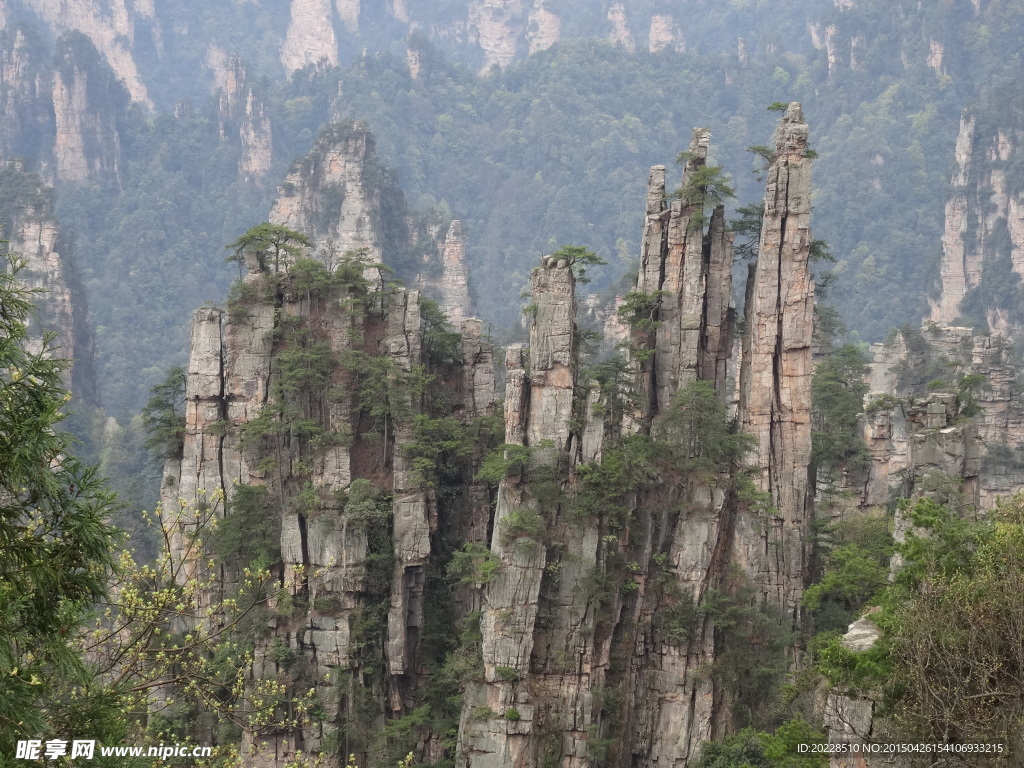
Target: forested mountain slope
368,548
539,153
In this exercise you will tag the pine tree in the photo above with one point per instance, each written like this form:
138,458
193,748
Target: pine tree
56,548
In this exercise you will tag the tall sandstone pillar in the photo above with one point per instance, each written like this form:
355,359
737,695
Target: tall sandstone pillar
775,396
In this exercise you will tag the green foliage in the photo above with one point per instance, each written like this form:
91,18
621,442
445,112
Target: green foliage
856,568
948,662
763,157
604,488
521,523
281,653
753,642
578,257
855,671
164,416
473,565
616,384
481,713
507,674
267,244
882,404
954,626
677,616
640,310
512,714
250,531
704,186
747,228
837,396
400,735
562,126
778,106
758,749
437,450
504,461
967,389
697,424
820,252
366,506
442,344
999,284
384,392
56,548
328,277
304,365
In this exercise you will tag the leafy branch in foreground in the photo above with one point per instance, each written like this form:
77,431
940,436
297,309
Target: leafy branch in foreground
949,664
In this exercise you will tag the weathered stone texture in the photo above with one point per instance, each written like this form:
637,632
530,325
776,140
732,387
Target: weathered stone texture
455,302
683,281
567,613
327,198
411,523
620,32
716,339
478,384
310,38
33,233
959,270
983,211
110,26
999,423
87,144
552,354
775,399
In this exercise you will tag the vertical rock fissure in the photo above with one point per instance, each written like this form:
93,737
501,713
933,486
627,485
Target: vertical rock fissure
222,414
775,377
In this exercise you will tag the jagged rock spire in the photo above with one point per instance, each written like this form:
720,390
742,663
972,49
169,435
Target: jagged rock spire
775,394
552,353
454,286
693,272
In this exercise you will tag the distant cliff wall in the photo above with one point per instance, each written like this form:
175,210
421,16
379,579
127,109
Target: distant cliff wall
31,231
983,242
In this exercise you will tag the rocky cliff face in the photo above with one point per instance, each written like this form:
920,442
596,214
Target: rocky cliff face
983,241
25,119
326,32
32,232
927,434
242,109
454,282
310,38
580,635
330,194
108,24
87,106
346,201
775,388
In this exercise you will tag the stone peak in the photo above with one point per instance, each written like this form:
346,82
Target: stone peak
794,113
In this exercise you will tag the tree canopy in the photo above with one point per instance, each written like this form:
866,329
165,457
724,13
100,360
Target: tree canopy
267,243
56,548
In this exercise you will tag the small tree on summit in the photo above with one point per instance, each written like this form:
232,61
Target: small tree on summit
267,241
704,186
578,257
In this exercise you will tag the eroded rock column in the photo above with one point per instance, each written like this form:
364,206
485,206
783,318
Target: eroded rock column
772,544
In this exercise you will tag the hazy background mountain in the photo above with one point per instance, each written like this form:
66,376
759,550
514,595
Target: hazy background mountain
167,126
